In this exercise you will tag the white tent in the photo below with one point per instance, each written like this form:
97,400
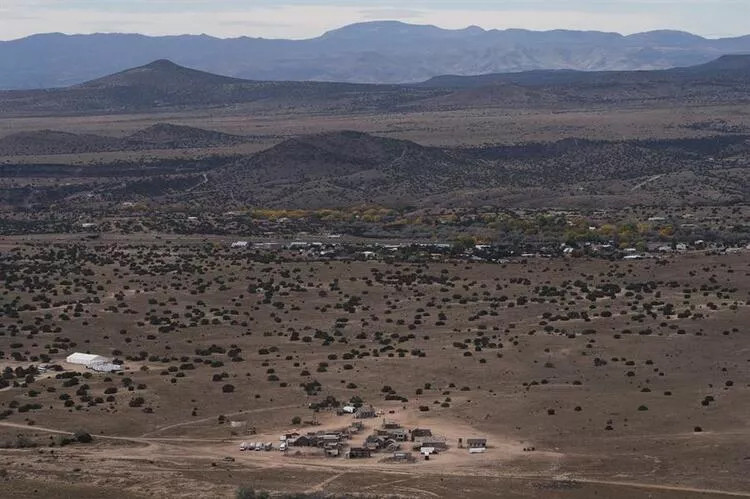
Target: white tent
85,359
104,367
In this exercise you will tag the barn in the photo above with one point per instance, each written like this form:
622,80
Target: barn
85,359
93,362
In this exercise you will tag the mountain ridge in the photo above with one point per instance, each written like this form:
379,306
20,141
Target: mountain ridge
405,53
162,84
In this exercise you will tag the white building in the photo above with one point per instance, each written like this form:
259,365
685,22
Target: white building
85,359
93,362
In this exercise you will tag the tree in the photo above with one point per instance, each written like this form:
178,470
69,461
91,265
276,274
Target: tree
463,243
249,493
296,420
83,437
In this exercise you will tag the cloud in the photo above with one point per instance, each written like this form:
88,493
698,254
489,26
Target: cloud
309,18
391,14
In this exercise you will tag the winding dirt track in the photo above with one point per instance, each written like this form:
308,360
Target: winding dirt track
168,448
213,418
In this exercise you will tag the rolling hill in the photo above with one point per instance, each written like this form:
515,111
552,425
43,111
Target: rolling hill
351,168
164,85
159,136
344,168
726,79
727,68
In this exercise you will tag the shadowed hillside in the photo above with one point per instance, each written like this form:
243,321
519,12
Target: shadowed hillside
340,169
165,85
350,168
159,136
345,168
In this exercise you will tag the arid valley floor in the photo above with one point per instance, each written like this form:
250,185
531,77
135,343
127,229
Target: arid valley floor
602,367
569,281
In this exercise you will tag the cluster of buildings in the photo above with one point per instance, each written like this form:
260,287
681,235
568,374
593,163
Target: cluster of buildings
332,442
390,437
498,253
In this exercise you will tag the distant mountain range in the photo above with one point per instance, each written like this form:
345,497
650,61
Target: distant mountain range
164,85
377,52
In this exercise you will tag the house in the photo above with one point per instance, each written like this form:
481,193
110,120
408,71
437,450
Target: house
375,442
328,439
358,453
633,257
420,433
403,456
435,442
365,412
398,434
379,442
476,443
392,446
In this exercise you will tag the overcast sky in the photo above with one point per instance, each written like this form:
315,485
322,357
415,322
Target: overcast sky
309,18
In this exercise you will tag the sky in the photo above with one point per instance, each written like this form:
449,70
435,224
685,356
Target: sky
299,19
